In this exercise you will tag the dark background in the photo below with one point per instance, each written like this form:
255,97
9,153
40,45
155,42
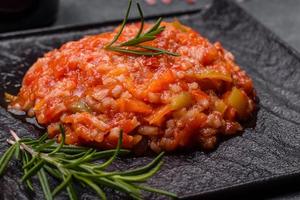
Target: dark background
280,16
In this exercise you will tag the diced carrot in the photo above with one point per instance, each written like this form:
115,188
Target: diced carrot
121,105
199,95
212,74
161,81
158,116
117,72
131,87
127,126
133,105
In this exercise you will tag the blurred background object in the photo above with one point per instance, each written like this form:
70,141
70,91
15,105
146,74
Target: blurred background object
24,14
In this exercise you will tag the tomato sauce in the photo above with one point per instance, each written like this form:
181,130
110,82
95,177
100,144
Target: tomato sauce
172,102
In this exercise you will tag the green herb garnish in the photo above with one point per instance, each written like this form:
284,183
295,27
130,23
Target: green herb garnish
71,164
136,42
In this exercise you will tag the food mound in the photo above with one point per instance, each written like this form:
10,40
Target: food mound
164,102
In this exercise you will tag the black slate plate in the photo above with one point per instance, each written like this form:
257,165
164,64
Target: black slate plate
266,155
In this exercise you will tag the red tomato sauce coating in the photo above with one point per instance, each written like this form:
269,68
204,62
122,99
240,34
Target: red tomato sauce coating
163,102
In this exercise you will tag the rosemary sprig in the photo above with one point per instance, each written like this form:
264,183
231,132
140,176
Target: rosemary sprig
70,164
140,38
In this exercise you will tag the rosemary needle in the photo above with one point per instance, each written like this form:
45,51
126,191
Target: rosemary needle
138,49
77,166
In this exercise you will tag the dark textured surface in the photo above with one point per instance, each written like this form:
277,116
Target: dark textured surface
266,154
281,16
